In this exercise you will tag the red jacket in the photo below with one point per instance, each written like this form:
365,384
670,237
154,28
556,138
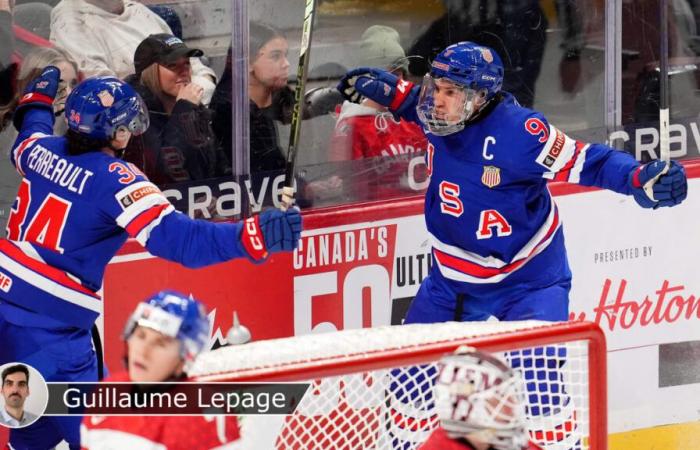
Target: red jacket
438,440
362,132
154,432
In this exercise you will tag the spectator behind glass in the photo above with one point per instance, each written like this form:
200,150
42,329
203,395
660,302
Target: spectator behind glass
102,36
369,130
179,145
32,66
270,98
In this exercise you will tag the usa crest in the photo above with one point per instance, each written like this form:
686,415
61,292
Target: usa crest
106,98
486,53
491,176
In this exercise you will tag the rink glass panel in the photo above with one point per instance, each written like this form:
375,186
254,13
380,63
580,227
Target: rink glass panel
554,52
541,44
640,76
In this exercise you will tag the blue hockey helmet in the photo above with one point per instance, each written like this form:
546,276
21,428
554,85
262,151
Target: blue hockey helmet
174,315
474,66
98,107
464,76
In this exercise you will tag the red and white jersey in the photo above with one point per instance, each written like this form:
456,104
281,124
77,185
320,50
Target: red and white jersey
364,132
438,440
157,432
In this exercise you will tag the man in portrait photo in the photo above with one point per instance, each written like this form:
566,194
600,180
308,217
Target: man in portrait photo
15,390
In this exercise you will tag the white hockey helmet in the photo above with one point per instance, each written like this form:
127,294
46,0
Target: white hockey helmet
478,397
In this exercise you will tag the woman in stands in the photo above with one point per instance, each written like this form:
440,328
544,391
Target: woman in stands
179,144
271,100
163,337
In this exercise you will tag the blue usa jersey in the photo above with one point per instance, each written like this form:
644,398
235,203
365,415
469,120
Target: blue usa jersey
488,209
71,215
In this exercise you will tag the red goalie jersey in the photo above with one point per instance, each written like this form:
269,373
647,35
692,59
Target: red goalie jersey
157,432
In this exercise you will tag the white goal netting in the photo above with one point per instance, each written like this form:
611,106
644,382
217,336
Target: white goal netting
372,388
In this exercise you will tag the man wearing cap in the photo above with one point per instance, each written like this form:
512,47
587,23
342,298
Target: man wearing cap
102,36
179,144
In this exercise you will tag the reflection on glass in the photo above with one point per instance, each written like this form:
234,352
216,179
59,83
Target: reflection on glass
552,54
641,82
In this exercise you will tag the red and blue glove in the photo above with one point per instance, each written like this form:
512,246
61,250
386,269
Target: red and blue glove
658,183
381,86
40,93
269,232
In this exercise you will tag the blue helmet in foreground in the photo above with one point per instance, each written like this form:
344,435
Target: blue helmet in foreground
471,65
174,315
462,78
98,107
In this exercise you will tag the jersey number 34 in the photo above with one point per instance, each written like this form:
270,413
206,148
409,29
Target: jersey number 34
45,228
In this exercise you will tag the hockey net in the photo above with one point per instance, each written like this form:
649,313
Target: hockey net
372,388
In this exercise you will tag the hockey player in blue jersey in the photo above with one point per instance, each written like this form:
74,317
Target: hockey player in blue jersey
497,242
76,206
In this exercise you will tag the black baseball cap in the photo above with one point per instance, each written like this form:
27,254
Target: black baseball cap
163,49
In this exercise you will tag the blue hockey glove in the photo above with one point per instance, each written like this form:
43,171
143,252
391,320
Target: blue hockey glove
271,231
40,93
379,85
658,184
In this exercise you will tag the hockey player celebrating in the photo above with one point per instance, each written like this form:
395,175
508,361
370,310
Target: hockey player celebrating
480,403
498,245
76,206
163,336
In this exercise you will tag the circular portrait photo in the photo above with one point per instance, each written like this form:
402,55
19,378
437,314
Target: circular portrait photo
24,395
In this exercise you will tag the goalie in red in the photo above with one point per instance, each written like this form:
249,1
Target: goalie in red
163,336
480,402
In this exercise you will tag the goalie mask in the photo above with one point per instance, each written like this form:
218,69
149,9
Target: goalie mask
480,398
462,79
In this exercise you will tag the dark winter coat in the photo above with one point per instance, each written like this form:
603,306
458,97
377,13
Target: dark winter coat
179,146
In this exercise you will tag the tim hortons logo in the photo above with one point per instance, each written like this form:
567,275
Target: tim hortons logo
669,304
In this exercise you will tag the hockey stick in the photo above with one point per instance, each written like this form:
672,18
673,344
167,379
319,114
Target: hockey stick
295,128
664,146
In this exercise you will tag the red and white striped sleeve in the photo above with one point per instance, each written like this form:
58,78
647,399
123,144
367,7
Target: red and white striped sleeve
143,206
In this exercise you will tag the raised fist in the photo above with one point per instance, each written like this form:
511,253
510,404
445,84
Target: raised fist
379,85
39,93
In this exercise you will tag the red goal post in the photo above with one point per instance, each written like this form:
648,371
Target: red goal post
353,372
